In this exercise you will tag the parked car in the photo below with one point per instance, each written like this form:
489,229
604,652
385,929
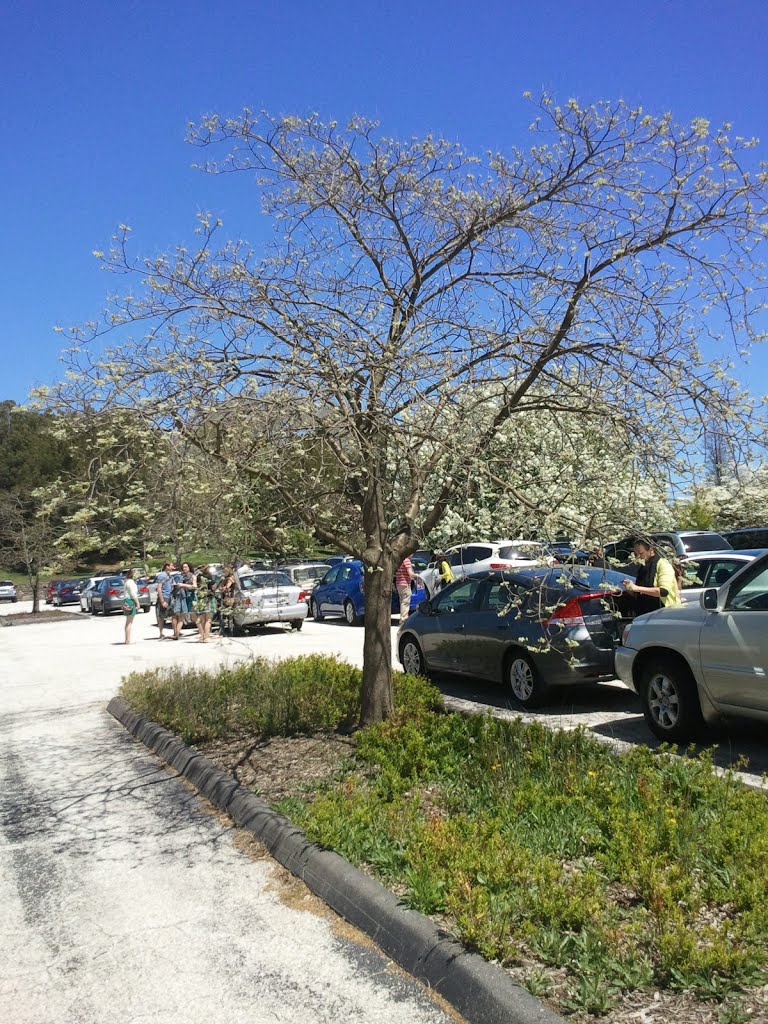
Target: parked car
679,542
66,592
565,552
711,569
486,556
747,538
341,592
264,597
305,574
107,595
702,662
8,591
529,628
420,559
51,589
337,559
86,590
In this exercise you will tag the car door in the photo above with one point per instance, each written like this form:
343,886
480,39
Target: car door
488,628
350,583
733,643
445,635
328,595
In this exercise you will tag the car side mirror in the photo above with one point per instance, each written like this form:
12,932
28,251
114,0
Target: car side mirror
425,608
709,600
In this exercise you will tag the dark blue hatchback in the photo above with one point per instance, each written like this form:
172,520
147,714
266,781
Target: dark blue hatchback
341,592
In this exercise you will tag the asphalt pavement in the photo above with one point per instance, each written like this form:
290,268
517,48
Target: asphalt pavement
123,896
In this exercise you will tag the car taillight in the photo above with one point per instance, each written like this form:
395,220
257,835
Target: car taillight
143,590
303,595
113,592
501,565
247,600
362,584
571,613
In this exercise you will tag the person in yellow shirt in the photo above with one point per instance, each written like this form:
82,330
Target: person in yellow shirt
656,583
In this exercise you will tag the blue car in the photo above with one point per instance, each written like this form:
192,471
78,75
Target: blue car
340,592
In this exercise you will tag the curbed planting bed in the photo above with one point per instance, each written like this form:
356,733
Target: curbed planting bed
630,887
482,994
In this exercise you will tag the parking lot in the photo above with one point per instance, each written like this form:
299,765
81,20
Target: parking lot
93,647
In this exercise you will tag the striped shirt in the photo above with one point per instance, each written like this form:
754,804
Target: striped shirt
403,574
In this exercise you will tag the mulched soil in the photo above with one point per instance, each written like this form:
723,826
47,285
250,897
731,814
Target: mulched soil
283,767
30,618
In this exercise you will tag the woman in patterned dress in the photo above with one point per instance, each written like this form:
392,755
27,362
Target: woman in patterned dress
205,603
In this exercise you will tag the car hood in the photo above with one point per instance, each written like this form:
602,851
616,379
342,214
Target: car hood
669,616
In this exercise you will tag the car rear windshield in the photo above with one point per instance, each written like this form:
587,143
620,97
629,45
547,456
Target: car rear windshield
706,542
5,583
266,579
312,573
512,551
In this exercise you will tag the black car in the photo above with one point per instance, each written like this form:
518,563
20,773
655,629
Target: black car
528,628
747,537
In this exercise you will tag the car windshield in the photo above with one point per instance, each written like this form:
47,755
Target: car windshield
706,542
5,583
266,579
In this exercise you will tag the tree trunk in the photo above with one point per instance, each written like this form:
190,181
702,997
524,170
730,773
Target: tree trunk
376,692
35,583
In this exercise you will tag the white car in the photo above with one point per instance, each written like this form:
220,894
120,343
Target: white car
483,556
8,591
86,592
708,569
263,597
702,662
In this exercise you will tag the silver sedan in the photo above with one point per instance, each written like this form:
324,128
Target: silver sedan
264,597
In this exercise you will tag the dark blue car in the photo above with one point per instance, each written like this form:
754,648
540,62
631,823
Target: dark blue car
340,592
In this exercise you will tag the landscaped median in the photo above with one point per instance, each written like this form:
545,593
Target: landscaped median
630,886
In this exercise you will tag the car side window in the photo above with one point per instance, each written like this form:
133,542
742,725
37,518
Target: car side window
348,572
333,575
694,575
502,597
457,599
476,553
750,593
721,571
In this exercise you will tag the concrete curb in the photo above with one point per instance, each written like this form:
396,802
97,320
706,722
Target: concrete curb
481,992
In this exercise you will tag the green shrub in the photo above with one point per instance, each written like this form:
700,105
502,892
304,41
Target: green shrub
259,697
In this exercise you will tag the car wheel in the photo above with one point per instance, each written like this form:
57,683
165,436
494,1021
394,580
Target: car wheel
411,657
351,616
524,680
145,610
317,615
670,701
297,624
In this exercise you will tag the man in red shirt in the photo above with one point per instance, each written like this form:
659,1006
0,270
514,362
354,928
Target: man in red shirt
403,578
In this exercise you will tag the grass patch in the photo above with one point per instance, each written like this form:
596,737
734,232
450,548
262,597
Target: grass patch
623,872
589,874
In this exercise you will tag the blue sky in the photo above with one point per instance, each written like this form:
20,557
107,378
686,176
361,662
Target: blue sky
96,99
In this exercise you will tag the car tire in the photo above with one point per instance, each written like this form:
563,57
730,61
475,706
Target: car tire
412,657
670,701
523,679
296,624
93,610
350,615
145,610
317,615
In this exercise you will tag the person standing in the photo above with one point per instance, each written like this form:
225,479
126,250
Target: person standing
656,583
130,603
162,606
205,603
444,571
226,592
403,578
182,596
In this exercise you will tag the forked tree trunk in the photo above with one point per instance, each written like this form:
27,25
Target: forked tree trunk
376,693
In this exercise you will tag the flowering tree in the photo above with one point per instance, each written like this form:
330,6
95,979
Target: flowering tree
574,275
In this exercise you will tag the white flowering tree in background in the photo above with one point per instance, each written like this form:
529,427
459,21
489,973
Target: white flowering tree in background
573,275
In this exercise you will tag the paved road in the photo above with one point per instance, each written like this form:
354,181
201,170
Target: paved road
122,897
